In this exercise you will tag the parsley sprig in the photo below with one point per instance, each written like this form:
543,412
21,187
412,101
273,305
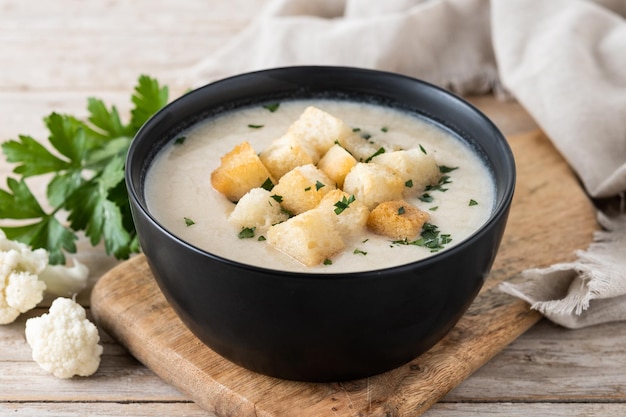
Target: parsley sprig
85,161
430,238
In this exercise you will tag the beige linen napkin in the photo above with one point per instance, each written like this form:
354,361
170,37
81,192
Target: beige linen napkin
564,60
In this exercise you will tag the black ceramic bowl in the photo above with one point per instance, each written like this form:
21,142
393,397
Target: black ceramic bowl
319,327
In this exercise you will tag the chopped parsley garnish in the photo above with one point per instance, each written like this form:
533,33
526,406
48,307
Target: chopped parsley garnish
328,262
430,238
272,107
319,185
444,169
426,198
384,129
409,184
277,198
343,204
251,126
188,221
356,129
401,211
366,136
375,154
246,233
434,208
445,179
268,185
261,238
473,202
423,150
180,140
358,251
307,189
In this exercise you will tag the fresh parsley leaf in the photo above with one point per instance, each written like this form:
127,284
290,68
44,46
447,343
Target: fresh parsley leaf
319,185
246,233
252,126
473,202
358,251
267,185
343,204
85,160
445,169
375,154
188,221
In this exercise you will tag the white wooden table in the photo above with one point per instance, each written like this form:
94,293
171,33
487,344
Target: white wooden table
56,53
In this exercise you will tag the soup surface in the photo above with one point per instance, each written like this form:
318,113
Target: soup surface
180,196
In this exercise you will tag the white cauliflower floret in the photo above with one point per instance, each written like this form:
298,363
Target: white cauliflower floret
25,274
64,342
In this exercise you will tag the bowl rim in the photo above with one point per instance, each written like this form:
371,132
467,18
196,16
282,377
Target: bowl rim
500,209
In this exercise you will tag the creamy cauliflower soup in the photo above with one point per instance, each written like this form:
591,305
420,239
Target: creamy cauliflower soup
452,205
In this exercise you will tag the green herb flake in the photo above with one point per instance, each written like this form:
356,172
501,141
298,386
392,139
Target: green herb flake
277,198
268,185
343,204
271,107
384,129
307,189
252,126
261,238
380,151
423,150
358,251
319,185
445,169
328,262
426,198
430,238
409,184
444,180
246,233
188,221
434,208
180,140
473,202
366,136
401,211
356,129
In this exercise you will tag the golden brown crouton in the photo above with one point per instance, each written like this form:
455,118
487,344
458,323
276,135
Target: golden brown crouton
318,128
397,220
413,166
348,214
302,188
336,163
257,209
308,238
286,153
373,184
240,171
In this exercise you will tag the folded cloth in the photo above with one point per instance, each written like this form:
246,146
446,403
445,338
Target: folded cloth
563,60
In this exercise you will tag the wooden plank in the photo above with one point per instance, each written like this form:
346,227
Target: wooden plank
554,364
128,305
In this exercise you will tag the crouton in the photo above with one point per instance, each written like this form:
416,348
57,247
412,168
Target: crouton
308,238
286,153
416,169
373,184
257,209
240,171
318,128
302,188
348,214
397,220
336,163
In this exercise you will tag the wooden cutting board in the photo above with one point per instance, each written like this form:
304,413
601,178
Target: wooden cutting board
550,218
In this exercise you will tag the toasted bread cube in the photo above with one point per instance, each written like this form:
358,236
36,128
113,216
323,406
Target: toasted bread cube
318,128
257,209
348,214
373,184
286,153
416,169
308,237
336,163
240,171
397,220
303,188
